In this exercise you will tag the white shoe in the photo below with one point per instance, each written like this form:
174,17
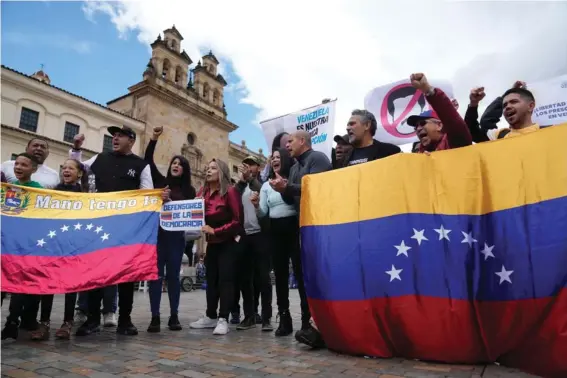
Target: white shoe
203,323
109,320
221,328
80,317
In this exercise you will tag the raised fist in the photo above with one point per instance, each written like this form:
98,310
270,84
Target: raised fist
419,81
476,95
78,141
520,84
157,132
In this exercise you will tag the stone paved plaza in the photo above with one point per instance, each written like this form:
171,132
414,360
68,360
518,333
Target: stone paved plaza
199,354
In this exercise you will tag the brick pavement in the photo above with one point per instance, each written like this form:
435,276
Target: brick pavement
199,354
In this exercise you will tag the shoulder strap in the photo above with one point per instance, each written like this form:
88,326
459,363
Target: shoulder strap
503,133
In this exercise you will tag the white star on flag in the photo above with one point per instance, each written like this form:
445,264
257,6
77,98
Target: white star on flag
98,229
51,234
78,226
65,228
468,238
443,233
40,243
89,226
487,251
394,273
105,236
402,249
418,235
504,275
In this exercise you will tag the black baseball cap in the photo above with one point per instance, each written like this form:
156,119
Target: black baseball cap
341,139
125,130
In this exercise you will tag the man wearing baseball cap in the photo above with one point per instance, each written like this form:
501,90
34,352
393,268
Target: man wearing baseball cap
342,148
440,128
115,171
254,262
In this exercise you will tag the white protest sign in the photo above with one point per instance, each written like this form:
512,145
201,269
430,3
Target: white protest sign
551,101
318,120
394,103
188,215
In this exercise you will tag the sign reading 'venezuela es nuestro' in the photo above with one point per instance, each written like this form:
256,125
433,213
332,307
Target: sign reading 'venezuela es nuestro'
188,215
318,121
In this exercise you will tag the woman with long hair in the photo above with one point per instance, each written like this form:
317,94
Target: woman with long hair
284,235
170,244
223,229
279,141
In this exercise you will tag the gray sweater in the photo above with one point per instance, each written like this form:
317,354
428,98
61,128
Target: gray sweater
310,162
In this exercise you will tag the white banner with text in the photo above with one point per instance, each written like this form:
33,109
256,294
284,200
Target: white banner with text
318,120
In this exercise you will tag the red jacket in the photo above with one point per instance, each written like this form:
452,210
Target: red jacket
456,131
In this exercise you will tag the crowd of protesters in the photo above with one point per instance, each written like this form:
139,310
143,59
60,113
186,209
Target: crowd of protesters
252,226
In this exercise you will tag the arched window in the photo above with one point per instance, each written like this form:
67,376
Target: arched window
215,97
178,75
206,90
191,139
165,69
174,44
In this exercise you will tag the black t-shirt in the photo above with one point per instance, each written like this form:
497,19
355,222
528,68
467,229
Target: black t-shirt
362,155
377,150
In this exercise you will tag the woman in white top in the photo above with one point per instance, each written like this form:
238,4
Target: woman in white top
284,232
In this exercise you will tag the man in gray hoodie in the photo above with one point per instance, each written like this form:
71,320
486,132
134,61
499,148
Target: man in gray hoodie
254,262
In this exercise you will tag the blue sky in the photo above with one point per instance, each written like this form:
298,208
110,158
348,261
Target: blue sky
89,59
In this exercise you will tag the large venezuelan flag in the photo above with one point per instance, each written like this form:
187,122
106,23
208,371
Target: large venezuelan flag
60,242
458,257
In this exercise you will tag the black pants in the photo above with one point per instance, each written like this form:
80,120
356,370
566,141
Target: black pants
220,263
47,306
254,274
16,308
125,302
285,245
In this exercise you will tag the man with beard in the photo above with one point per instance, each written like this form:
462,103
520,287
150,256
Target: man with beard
361,129
518,105
441,128
114,171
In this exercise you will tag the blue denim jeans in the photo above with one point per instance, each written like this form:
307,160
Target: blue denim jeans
109,301
170,247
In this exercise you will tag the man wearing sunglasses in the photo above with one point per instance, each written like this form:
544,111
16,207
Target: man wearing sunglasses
440,128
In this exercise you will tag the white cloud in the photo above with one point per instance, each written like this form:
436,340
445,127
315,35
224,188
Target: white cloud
290,55
59,41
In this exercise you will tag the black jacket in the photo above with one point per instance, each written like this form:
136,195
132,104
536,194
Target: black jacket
308,163
488,121
380,150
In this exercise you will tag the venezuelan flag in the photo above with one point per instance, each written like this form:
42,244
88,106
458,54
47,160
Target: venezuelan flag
60,242
459,257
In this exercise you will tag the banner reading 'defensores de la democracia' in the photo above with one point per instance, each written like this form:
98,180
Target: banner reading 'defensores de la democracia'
318,120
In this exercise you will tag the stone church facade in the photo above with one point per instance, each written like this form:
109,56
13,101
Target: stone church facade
188,103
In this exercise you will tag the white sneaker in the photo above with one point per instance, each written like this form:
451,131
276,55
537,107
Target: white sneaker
80,317
109,320
221,328
203,323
